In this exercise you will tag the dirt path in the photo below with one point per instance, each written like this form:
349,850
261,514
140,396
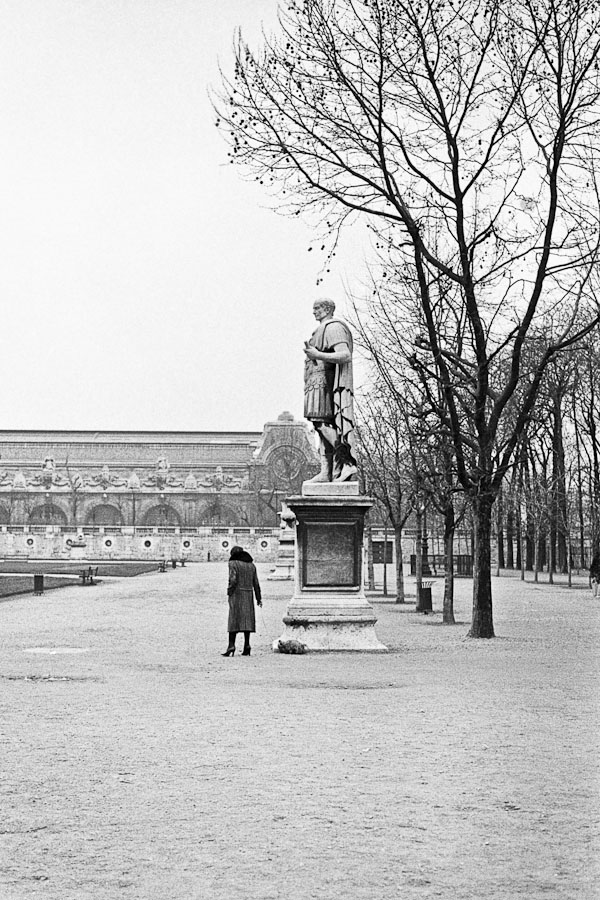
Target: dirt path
142,764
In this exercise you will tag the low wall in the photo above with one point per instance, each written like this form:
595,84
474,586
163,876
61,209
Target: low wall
195,544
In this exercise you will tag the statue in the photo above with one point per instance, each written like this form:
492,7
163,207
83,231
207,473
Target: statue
162,472
328,393
48,471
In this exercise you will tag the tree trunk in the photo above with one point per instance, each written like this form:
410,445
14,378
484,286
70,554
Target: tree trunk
519,536
449,526
425,567
400,598
543,555
385,545
510,536
521,533
580,514
558,540
370,565
500,532
529,543
419,554
483,623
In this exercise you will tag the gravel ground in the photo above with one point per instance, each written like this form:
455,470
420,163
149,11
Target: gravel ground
139,763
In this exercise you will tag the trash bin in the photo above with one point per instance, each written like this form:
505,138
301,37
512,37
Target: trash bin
425,605
38,584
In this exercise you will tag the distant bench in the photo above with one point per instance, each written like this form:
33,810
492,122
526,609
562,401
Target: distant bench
162,564
87,575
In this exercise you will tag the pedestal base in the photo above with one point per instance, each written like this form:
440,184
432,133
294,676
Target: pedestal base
329,610
332,634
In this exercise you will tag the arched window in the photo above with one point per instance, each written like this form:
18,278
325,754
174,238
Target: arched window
163,514
104,514
47,514
218,513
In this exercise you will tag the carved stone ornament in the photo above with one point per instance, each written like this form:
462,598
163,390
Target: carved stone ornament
286,463
133,482
191,482
220,481
19,482
106,480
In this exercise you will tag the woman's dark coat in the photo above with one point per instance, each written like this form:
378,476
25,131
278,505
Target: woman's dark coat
243,583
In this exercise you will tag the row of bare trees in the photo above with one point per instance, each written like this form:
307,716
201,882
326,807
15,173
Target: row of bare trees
547,514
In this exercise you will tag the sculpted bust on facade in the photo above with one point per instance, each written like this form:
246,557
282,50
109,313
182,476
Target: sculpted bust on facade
328,393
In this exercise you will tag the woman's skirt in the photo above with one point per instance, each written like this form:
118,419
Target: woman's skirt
241,612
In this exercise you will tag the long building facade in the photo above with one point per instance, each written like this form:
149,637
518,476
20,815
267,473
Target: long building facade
136,487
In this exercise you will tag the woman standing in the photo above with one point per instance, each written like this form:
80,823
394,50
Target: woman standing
243,584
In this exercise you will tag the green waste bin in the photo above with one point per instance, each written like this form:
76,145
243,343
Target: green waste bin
38,584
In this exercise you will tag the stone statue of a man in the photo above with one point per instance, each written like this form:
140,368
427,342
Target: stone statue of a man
328,392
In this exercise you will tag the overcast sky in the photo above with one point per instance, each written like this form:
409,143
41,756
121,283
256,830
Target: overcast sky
144,283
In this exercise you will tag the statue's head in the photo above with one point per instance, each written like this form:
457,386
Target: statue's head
324,304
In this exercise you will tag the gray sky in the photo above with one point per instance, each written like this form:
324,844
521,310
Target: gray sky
144,283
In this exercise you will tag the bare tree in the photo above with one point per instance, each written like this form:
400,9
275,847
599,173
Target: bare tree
384,460
585,418
383,323
467,135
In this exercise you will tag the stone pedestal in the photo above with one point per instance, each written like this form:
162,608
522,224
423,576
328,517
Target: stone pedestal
329,610
284,564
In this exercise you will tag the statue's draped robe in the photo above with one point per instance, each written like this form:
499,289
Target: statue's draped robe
328,388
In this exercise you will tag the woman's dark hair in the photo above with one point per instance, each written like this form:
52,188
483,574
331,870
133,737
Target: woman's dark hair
240,553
